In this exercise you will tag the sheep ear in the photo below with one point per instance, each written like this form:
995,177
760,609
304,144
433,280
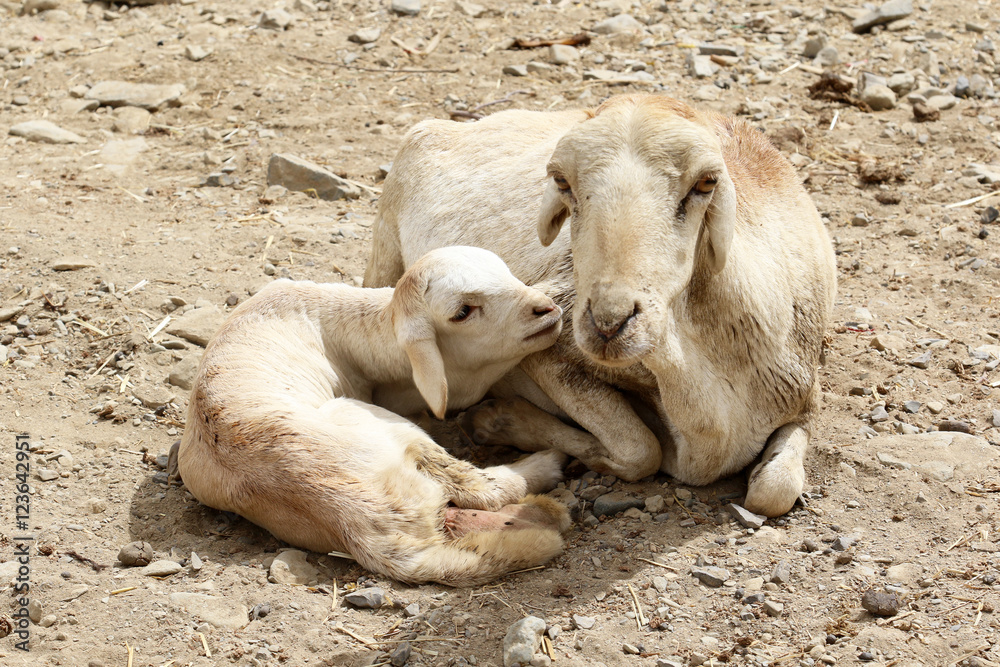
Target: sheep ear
721,222
416,335
552,216
428,374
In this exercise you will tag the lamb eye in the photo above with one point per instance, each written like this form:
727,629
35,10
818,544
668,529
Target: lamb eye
706,184
561,183
463,313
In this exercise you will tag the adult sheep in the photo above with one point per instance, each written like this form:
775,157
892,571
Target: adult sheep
698,276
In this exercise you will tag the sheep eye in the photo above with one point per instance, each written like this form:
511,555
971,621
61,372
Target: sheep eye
705,184
463,313
561,183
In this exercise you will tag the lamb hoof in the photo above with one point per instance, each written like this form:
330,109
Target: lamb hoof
484,423
541,470
774,487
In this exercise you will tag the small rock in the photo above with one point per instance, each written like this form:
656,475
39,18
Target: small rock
887,13
563,54
183,374
996,419
406,7
715,49
153,396
366,598
954,425
879,97
922,361
301,175
827,57
583,622
618,24
71,264
772,608
935,407
218,180
365,35
136,554
782,573
275,19
700,67
149,96
196,53
889,343
522,638
470,9
162,568
515,70
219,612
630,649
912,407
291,567
617,501
259,611
411,610
35,610
131,120
655,504
880,604
400,655
711,576
45,132
813,46
925,114
47,621
46,475
844,542
942,102
197,325
745,517
878,414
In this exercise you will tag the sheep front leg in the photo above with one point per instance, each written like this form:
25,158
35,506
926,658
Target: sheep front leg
616,441
777,481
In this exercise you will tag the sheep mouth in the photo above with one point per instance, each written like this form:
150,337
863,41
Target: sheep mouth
546,331
618,352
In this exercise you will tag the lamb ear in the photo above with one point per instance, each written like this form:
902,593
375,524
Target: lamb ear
721,222
552,215
416,335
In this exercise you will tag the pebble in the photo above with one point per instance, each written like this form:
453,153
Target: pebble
219,612
35,610
365,35
196,53
471,9
887,13
827,57
630,649
366,598
772,608
401,654
655,504
880,604
406,7
149,96
153,396
275,19
814,45
618,24
183,374
912,407
46,475
745,517
879,97
291,567
713,577
411,610
161,568
879,414
515,70
843,542
136,554
563,54
300,175
617,501
935,407
700,67
782,573
197,325
522,638
922,361
583,622
131,120
44,131
954,425
196,563
71,263
259,611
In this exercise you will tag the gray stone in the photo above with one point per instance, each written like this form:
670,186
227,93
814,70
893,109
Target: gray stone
890,461
942,102
879,97
887,13
922,361
136,554
46,474
149,96
470,9
617,24
35,610
714,49
162,568
711,576
563,54
411,610
655,504
301,175
183,374
131,120
366,598
700,67
879,414
617,501
291,567
523,637
365,35
772,608
406,7
400,655
196,53
880,604
71,263
197,325
814,45
844,542
905,573
153,396
827,57
996,419
218,612
912,407
45,132
782,573
275,19
901,83
196,563
745,517
583,622
515,70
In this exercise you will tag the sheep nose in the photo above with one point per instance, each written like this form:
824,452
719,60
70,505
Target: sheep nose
544,309
610,316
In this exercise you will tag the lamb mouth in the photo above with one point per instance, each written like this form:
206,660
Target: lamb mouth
544,332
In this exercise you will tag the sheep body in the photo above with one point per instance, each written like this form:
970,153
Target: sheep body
698,276
282,428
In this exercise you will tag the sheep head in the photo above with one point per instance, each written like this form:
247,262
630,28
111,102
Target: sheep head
651,204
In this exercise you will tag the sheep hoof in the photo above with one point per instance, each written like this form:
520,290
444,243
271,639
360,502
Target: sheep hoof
542,470
775,485
485,423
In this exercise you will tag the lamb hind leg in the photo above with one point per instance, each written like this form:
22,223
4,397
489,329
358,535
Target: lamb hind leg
777,481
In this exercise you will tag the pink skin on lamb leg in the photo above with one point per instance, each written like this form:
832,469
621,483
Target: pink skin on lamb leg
459,522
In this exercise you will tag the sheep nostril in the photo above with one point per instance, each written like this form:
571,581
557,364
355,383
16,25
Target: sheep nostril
543,310
606,331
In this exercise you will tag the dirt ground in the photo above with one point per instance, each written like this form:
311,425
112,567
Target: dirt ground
893,504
